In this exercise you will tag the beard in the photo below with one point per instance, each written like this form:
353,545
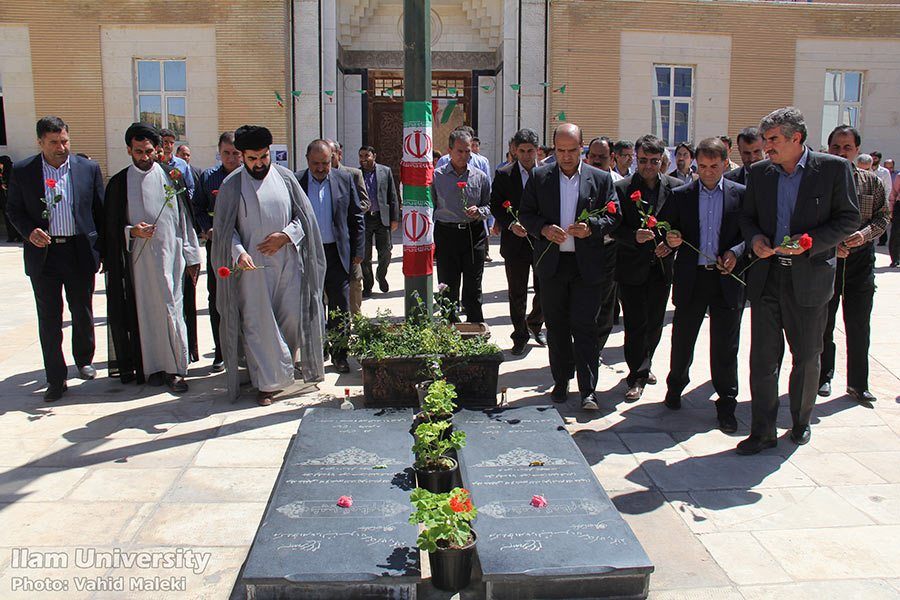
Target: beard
259,172
143,165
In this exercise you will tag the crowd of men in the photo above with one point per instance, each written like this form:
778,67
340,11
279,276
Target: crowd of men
287,253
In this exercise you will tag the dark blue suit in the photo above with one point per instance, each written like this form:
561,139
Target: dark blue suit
349,227
66,263
697,290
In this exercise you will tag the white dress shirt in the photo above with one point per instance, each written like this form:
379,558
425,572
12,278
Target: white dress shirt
568,204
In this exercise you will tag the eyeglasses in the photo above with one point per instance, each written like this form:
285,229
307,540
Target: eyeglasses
653,161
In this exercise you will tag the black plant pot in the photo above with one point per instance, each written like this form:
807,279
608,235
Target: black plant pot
439,481
451,568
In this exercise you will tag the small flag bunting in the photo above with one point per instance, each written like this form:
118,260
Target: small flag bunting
486,88
561,90
515,86
544,84
279,99
448,111
561,116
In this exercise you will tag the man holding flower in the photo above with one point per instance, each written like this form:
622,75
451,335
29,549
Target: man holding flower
795,193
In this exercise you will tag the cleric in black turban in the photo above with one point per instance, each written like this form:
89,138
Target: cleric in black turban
251,137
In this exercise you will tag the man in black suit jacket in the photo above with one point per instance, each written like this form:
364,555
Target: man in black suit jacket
333,196
60,222
750,145
796,192
643,261
382,218
515,245
569,255
706,214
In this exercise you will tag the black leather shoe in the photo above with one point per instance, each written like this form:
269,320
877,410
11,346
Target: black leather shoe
672,402
86,372
727,424
651,379
539,336
635,391
176,383
157,379
589,402
754,445
825,389
560,392
383,286
518,349
341,365
367,293
55,391
800,436
860,395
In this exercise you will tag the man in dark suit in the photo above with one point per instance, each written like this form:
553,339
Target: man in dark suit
569,255
356,276
515,245
643,261
750,145
706,214
56,201
795,192
382,218
333,196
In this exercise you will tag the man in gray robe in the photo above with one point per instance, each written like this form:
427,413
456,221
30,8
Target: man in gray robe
270,296
150,244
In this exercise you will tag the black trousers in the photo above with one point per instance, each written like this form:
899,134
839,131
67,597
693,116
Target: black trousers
381,236
190,316
894,242
643,311
724,337
214,318
608,297
62,270
517,271
773,317
461,257
858,292
337,292
570,308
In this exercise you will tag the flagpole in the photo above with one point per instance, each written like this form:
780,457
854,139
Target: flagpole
416,165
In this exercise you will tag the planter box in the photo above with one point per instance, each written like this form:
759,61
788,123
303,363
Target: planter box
391,381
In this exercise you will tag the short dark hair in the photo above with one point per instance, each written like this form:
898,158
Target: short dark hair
319,144
227,137
875,154
789,119
475,139
166,132
600,138
684,145
368,149
526,136
714,147
622,145
51,125
460,134
141,132
650,144
726,139
548,150
841,129
749,135
435,154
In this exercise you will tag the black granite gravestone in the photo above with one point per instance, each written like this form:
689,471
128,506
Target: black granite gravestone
578,546
309,547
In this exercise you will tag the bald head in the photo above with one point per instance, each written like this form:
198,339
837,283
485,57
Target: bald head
567,139
568,129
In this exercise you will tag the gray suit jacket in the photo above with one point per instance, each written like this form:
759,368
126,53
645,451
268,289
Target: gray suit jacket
388,200
346,215
361,190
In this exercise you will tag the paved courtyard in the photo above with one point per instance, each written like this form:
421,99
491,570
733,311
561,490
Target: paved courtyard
120,468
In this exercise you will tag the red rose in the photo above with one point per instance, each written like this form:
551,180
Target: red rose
51,183
461,184
506,204
215,192
651,221
805,241
611,208
345,502
636,196
174,173
224,272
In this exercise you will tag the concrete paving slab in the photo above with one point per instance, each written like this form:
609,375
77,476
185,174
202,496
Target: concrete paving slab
832,469
41,523
884,464
237,484
203,524
880,502
718,593
744,560
823,590
128,485
223,452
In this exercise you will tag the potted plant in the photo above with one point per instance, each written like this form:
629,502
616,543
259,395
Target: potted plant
435,471
446,535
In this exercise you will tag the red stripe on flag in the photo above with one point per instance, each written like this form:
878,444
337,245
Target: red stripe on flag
420,174
418,260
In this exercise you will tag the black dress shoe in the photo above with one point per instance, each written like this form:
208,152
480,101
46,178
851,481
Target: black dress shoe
87,372
860,395
367,293
55,391
755,444
176,383
635,391
825,389
157,379
560,392
801,435
539,336
727,424
341,365
518,349
672,402
651,379
589,402
383,286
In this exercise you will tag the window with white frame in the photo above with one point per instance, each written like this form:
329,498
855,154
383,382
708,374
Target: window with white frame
2,117
673,91
843,101
161,94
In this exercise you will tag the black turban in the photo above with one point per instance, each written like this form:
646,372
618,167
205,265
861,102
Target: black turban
251,137
142,131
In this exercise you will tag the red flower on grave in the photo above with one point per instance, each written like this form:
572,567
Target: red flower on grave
636,196
651,221
506,204
345,502
805,241
51,183
224,272
611,208
538,501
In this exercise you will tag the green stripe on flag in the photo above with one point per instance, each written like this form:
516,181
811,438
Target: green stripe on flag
417,114
416,195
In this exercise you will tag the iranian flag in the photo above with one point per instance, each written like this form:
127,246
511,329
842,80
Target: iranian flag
416,171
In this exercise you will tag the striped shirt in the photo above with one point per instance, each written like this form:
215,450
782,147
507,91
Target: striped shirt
62,214
874,214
